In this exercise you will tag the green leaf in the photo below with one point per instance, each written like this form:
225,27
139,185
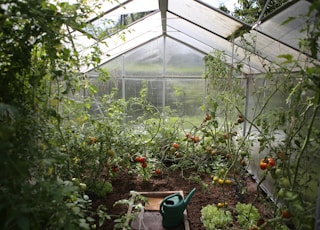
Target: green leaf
290,19
23,223
288,58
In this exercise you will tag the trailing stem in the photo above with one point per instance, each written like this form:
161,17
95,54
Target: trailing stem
307,138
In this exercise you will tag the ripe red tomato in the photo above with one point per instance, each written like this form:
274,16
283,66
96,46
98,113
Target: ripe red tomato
207,117
92,140
138,159
144,164
263,164
260,222
271,162
175,145
243,162
115,168
142,159
286,214
195,139
158,171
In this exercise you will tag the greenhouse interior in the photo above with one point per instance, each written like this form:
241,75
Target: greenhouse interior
111,109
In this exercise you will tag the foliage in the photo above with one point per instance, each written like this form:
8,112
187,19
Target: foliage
101,188
135,206
250,10
215,218
281,122
247,215
288,111
37,71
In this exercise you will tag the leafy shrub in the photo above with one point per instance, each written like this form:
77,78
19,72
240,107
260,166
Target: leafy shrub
247,215
214,218
102,188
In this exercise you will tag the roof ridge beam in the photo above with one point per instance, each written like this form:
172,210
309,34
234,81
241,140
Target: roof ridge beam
163,6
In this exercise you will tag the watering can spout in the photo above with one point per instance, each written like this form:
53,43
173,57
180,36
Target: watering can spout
188,198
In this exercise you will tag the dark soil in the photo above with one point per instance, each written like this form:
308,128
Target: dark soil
175,181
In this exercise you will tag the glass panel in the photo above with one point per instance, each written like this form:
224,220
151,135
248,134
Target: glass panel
146,60
81,41
181,29
205,17
182,60
199,34
268,48
290,32
104,6
256,98
111,88
196,44
136,35
121,16
108,87
217,3
136,6
154,93
113,68
185,96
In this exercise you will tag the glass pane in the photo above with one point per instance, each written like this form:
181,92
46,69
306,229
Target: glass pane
136,35
290,32
114,67
191,41
136,6
154,94
107,87
121,16
111,88
205,17
194,35
182,60
185,96
146,60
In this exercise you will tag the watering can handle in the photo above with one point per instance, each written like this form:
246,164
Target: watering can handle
164,200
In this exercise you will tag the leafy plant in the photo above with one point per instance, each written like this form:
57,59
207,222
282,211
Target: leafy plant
135,206
101,188
37,72
247,215
214,218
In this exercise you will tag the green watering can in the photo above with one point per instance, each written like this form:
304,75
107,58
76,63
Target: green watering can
172,208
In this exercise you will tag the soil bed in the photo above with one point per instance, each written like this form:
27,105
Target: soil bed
174,181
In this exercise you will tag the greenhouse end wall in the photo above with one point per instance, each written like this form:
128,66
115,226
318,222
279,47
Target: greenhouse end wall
173,77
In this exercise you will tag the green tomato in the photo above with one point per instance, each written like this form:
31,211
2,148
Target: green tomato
278,172
284,182
281,193
83,186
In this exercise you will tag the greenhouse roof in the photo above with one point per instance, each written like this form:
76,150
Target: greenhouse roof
199,25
